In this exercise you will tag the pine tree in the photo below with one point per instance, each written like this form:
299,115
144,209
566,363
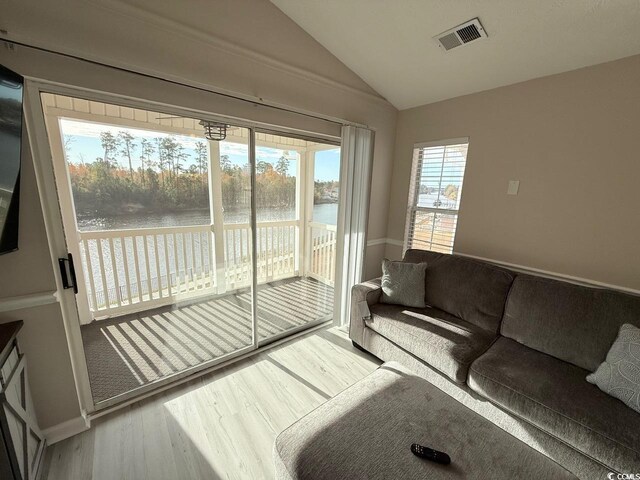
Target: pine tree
161,160
110,145
262,167
147,149
128,146
225,164
202,161
180,157
282,167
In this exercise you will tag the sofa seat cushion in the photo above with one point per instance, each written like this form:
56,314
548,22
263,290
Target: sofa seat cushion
445,342
554,396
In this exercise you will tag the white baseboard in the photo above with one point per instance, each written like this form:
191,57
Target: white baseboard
66,429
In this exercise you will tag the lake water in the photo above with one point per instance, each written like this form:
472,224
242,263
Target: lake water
322,213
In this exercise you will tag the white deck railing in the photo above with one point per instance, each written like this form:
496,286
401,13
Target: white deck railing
137,269
322,258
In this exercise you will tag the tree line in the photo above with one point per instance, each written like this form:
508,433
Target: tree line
168,178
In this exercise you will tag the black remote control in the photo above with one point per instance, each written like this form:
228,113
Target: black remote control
430,454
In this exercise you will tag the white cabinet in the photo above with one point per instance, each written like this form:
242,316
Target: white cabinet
23,442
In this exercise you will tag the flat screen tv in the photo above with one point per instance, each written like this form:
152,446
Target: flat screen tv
11,87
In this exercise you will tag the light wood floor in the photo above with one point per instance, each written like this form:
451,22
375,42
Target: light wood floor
220,426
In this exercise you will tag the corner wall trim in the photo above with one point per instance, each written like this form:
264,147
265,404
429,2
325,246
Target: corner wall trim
553,275
9,304
376,241
524,269
397,243
384,241
67,429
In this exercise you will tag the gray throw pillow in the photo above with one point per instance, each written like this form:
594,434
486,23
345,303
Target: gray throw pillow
403,283
619,374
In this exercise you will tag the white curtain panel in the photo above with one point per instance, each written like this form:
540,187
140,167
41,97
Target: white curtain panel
355,189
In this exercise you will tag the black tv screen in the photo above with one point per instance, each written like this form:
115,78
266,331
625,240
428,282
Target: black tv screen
11,87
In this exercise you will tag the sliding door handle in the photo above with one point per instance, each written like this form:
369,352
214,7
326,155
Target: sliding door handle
68,272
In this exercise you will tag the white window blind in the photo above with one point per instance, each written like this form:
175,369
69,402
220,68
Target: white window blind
434,195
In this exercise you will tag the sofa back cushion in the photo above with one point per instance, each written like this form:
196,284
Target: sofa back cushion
472,290
574,323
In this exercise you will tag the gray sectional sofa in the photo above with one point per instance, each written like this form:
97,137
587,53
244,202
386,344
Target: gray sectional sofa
516,349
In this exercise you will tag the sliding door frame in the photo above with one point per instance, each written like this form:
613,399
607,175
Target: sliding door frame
58,242
254,237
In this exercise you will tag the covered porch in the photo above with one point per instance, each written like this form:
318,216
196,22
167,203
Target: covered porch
158,302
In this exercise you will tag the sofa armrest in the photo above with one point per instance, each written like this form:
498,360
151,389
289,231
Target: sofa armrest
369,292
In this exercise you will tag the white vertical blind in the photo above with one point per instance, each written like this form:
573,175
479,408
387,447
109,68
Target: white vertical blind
355,184
434,195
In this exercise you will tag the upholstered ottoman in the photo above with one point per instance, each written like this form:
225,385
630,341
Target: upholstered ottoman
366,432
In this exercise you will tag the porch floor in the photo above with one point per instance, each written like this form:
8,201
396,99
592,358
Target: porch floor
130,351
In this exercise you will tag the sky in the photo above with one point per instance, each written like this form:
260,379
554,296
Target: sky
84,146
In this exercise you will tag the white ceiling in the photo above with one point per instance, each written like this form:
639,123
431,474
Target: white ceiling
389,44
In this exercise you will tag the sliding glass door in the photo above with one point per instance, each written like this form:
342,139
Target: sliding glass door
157,219
297,183
195,241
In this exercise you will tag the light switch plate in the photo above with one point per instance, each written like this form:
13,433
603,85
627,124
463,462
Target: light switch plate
512,189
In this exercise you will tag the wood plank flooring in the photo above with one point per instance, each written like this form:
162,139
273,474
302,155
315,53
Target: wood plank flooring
220,426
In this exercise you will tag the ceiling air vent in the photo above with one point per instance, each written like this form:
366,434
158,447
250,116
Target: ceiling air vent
461,35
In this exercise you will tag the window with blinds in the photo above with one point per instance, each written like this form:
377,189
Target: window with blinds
434,194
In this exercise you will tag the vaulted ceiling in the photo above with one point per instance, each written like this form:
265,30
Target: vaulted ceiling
389,44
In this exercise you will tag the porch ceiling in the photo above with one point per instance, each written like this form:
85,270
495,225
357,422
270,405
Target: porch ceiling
99,112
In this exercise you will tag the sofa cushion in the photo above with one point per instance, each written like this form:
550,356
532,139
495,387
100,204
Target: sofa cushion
403,283
619,374
573,323
445,342
472,290
554,396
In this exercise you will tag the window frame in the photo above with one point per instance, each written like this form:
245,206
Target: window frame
414,193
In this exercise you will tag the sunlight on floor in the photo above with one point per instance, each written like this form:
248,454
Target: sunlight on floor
131,351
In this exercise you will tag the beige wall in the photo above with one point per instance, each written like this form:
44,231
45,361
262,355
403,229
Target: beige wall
33,253
573,142
42,338
248,47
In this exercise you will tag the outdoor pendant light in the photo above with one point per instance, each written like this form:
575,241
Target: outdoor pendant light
214,131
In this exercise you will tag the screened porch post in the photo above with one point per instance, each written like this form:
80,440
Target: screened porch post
301,214
217,219
307,201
